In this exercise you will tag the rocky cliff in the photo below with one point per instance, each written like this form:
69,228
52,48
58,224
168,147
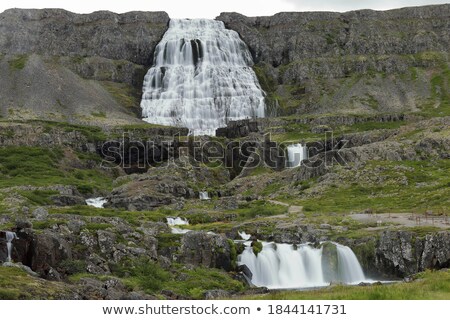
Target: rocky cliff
130,36
77,68
360,61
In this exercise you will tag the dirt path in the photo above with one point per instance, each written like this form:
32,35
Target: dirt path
291,209
404,219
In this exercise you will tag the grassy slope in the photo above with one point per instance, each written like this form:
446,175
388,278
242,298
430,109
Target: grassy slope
428,285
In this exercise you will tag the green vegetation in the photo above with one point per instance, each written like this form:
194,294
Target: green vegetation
433,285
408,186
18,62
16,284
44,167
99,114
124,94
38,197
91,133
150,277
257,247
132,217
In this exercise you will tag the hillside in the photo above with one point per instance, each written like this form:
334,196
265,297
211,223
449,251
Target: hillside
70,130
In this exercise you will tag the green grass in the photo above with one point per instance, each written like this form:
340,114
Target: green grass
124,94
43,167
91,133
260,170
98,114
16,284
133,217
431,285
18,62
427,188
148,276
38,197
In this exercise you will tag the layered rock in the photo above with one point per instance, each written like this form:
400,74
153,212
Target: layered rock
291,36
402,253
310,62
130,36
169,184
207,250
48,54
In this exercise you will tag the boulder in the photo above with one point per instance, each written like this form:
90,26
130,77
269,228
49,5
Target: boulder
208,250
40,213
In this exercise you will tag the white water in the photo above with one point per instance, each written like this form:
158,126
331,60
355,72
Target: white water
173,222
201,78
96,202
347,261
282,266
10,236
204,195
296,153
244,235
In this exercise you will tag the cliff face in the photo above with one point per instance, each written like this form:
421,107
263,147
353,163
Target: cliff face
52,32
76,68
327,62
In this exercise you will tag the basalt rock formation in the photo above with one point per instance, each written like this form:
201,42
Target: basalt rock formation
310,62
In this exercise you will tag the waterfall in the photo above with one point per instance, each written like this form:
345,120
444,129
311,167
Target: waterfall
201,78
285,266
10,236
296,153
96,202
349,269
244,235
173,222
204,195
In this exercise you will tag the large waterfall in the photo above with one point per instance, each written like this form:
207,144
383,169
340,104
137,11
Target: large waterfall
201,78
287,266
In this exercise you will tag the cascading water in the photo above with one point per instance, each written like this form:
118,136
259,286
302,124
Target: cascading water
204,195
296,153
281,266
349,269
201,78
10,236
244,235
96,202
173,222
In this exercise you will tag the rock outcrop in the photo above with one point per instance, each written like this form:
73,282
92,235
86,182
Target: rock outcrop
47,55
207,250
131,36
403,253
313,62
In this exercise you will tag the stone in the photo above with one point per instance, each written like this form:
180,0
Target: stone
315,50
106,241
199,248
67,200
23,224
40,213
64,33
22,267
216,294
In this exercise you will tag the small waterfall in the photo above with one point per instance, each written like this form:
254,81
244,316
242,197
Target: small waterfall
96,202
201,78
296,153
10,236
349,269
173,222
244,235
282,266
204,195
